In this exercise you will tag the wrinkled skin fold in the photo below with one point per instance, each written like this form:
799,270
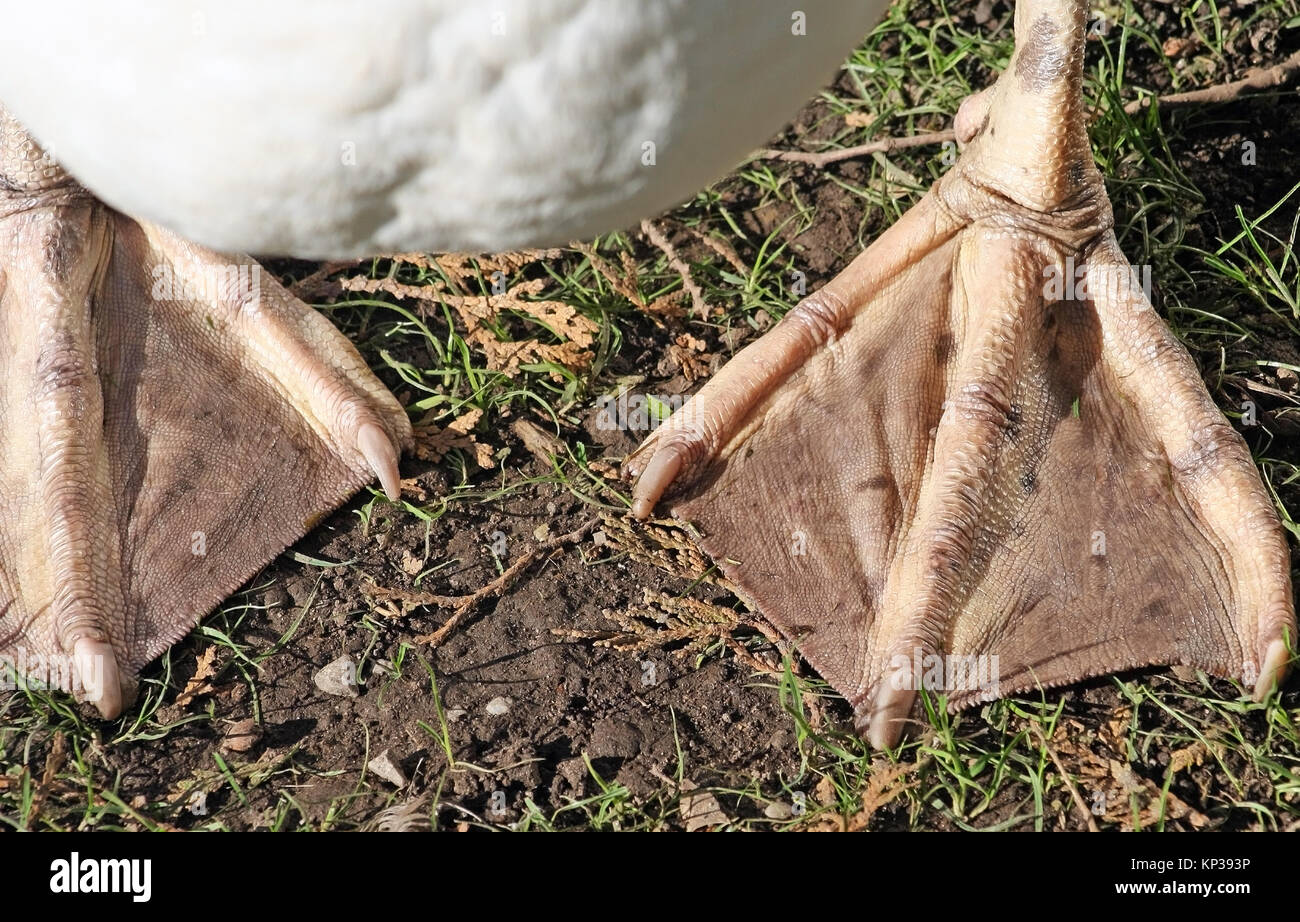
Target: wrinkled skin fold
977,462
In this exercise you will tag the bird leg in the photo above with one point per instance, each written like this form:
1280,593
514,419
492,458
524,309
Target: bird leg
977,462
170,420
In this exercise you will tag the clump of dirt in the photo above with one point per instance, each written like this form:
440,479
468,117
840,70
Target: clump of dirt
518,700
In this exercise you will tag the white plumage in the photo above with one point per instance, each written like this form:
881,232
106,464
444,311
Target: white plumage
335,128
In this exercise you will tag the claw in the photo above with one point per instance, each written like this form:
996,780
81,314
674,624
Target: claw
382,458
658,475
96,666
1272,670
882,723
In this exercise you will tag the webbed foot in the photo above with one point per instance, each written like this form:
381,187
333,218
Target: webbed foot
170,420
977,461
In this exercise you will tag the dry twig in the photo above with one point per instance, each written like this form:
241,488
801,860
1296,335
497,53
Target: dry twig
882,146
1069,782
464,605
698,305
1256,79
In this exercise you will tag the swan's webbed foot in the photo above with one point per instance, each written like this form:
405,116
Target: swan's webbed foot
170,419
977,461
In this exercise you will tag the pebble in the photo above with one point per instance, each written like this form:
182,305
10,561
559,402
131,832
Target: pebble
385,767
241,736
498,706
339,678
778,811
455,714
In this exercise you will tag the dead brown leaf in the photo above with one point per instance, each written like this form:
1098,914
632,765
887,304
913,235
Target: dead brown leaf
700,809
411,487
198,683
508,356
359,283
625,282
689,355
886,783
396,602
1114,729
605,469
433,442
1111,787
1187,757
668,305
481,314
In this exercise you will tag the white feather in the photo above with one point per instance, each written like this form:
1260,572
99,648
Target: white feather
334,128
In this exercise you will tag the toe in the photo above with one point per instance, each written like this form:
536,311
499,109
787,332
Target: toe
99,676
381,455
971,116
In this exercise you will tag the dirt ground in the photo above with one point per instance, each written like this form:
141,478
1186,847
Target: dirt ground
530,723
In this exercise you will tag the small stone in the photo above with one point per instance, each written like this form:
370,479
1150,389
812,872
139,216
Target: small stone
778,811
455,714
542,532
339,678
385,767
498,706
242,736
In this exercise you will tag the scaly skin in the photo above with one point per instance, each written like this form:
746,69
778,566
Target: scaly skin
947,470
172,420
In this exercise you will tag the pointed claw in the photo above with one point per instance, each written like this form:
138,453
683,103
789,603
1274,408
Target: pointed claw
884,722
1272,670
97,671
382,458
654,480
